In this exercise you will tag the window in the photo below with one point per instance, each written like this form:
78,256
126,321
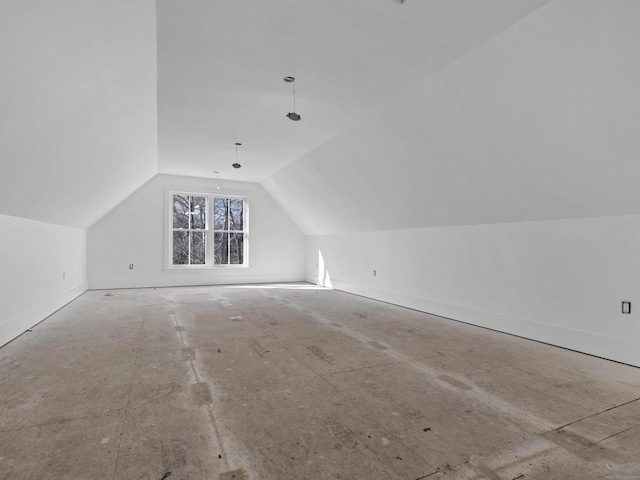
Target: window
207,230
228,231
189,230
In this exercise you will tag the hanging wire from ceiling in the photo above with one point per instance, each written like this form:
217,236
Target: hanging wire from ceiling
293,115
237,165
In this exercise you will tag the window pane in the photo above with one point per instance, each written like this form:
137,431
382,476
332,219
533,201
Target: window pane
180,211
197,248
235,212
220,212
198,212
220,248
180,248
236,250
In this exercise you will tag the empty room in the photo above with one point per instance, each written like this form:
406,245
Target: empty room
313,240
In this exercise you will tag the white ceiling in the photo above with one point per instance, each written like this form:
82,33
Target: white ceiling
461,111
221,67
97,96
78,108
538,123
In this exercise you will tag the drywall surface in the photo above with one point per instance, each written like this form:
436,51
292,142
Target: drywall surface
560,282
348,58
42,268
539,123
78,106
135,232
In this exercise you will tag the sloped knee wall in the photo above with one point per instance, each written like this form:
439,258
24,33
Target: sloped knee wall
42,268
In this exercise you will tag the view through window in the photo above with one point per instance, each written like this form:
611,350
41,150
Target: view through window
208,230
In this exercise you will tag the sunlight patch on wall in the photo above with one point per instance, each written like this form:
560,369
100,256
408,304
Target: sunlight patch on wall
324,278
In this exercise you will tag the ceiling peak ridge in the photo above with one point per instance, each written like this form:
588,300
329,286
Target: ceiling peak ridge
483,44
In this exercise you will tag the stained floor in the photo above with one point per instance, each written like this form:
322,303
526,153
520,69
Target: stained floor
297,382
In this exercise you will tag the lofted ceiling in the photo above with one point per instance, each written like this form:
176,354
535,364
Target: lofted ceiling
97,96
462,111
221,67
537,123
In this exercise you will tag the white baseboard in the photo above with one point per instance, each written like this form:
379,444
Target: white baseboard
184,280
612,348
13,327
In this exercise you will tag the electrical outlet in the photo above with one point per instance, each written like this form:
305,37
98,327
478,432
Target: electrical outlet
63,275
131,266
375,273
626,307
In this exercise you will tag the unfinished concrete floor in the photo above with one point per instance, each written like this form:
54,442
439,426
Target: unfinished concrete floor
296,382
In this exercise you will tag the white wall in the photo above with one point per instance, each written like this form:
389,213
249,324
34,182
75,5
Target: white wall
33,258
559,281
135,233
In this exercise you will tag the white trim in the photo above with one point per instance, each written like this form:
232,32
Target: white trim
188,278
209,193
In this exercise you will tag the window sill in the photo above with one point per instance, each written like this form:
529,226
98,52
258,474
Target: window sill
200,268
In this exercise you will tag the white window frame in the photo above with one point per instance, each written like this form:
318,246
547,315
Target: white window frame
209,230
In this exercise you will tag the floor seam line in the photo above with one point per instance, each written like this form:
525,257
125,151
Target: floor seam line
347,400
615,434
405,359
209,409
126,409
359,368
598,413
52,422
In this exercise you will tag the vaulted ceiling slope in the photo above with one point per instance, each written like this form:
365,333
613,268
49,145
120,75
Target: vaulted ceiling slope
78,109
221,67
540,122
427,113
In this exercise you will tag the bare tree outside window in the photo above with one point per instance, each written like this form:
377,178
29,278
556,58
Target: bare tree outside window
228,226
191,227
